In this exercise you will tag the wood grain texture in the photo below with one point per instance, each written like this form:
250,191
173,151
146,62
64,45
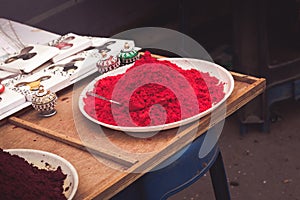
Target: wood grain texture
126,161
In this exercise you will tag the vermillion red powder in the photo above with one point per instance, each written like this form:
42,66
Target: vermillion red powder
180,93
21,180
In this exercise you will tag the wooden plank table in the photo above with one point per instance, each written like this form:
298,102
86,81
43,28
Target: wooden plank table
70,135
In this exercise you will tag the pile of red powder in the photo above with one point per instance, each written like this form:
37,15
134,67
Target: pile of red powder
153,92
21,180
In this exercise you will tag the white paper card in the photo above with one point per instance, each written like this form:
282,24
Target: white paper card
5,74
29,58
29,85
110,45
69,44
9,100
75,66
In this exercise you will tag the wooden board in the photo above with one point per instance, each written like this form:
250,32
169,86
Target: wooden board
105,176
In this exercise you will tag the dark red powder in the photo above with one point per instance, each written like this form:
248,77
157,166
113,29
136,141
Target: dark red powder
153,92
21,180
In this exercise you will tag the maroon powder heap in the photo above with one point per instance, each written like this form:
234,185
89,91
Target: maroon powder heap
21,180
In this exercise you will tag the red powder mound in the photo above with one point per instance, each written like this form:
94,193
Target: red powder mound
153,92
21,180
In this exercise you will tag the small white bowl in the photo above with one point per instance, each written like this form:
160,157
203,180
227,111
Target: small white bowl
50,161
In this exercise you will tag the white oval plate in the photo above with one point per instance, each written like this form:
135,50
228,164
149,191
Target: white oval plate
185,63
50,161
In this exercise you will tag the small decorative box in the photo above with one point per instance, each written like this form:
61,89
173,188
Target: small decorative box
44,102
107,63
128,54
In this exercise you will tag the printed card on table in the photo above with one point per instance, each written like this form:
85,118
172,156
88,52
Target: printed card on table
28,59
6,74
111,46
29,85
68,45
75,66
9,100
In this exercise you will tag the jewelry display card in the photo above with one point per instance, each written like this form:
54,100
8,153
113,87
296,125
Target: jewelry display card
111,46
9,100
15,35
28,59
76,66
9,82
24,66
5,74
29,85
68,45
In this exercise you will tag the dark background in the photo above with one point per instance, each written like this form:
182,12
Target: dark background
212,23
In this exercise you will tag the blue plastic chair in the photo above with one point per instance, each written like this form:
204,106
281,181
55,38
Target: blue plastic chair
188,168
